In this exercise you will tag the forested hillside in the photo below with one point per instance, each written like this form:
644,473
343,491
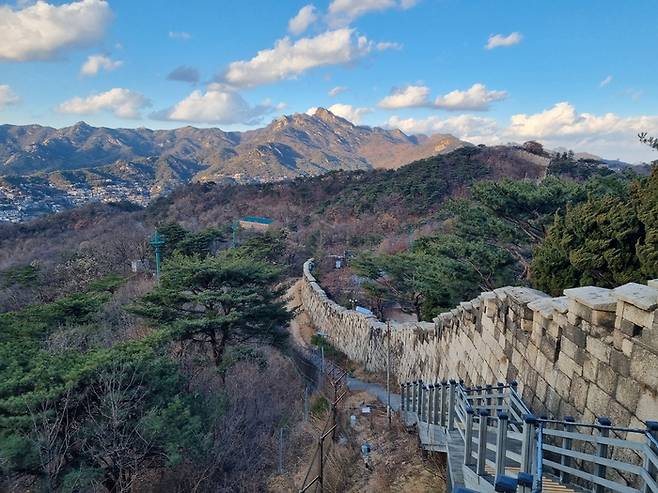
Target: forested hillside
111,378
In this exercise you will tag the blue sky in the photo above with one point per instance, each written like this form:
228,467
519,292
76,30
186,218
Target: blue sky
578,74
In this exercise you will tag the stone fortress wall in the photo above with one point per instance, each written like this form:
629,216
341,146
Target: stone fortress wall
592,352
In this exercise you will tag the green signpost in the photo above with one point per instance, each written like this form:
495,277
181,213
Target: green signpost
156,241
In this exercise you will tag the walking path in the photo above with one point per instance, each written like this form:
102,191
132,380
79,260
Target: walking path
313,356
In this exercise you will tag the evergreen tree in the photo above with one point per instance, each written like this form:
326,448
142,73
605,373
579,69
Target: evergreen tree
217,301
605,241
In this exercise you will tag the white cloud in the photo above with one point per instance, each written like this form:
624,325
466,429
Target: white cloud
7,96
40,31
336,91
608,135
349,112
499,40
96,63
289,59
562,120
606,81
306,16
477,98
180,35
121,102
467,127
406,97
344,12
219,105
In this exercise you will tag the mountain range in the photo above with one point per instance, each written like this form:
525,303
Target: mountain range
298,144
43,169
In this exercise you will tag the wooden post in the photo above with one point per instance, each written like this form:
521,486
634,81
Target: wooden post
402,397
421,401
388,373
321,472
451,406
468,437
430,404
444,399
482,437
652,432
602,451
501,444
566,444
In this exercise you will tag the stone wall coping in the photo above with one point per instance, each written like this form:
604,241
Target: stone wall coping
593,297
561,304
639,295
544,306
523,296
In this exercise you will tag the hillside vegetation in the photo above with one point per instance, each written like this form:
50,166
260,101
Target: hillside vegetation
111,381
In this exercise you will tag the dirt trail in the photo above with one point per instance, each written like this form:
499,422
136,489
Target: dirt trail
396,463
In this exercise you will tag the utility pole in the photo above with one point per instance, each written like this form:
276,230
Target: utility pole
281,451
234,234
322,362
306,403
388,371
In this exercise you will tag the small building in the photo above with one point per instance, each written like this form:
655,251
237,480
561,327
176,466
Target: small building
255,223
140,265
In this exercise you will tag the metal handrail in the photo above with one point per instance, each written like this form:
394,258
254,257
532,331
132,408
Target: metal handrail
593,425
507,399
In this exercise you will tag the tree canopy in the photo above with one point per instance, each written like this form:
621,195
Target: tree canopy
605,241
218,301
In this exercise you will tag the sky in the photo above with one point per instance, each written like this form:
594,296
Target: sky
575,74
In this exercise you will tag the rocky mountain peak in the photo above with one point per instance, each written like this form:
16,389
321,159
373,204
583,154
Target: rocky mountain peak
328,117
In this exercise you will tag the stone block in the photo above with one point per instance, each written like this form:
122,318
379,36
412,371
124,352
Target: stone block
548,347
590,368
554,330
618,414
627,347
647,406
599,349
592,297
562,384
575,334
578,392
597,400
573,318
627,393
626,327
606,379
552,402
644,367
568,366
635,315
603,319
638,295
620,363
653,283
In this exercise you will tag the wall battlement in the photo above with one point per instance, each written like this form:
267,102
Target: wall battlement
592,352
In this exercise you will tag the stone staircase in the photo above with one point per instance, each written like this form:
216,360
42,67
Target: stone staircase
493,443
